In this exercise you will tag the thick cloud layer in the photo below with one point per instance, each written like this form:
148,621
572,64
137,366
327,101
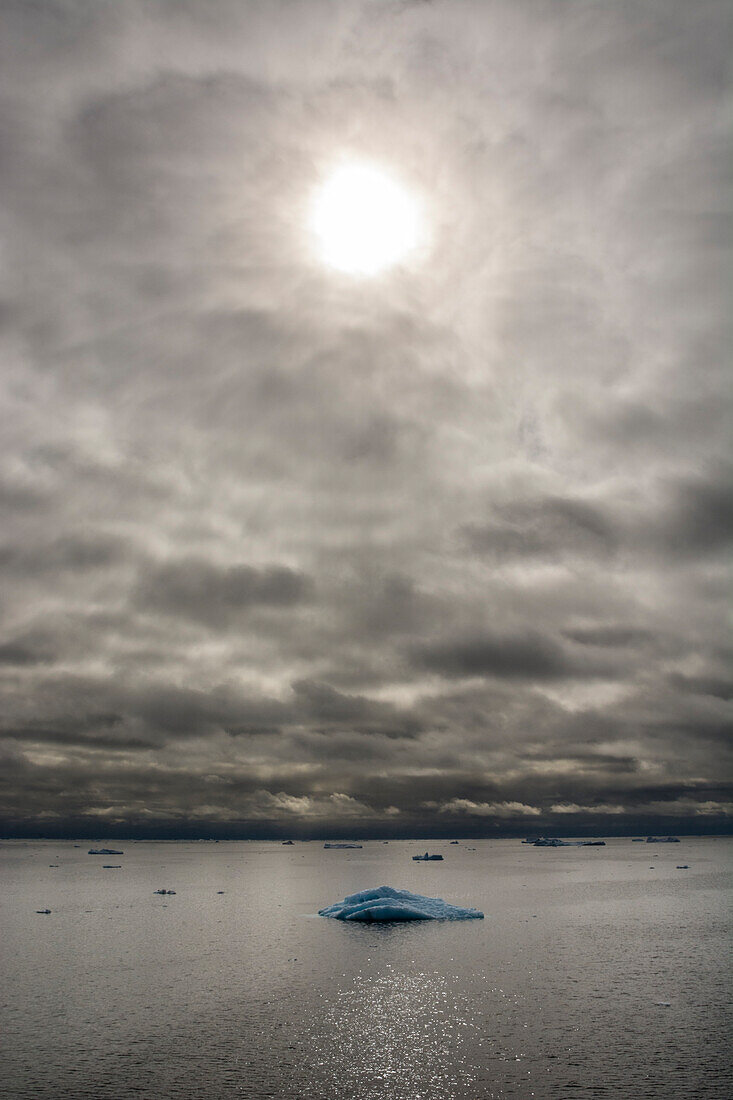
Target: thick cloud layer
442,551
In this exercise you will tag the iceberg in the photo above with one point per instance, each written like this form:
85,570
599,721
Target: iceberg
385,904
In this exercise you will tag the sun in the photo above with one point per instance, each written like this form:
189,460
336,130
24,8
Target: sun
364,221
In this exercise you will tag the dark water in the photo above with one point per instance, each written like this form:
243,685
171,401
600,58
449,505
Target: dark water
598,972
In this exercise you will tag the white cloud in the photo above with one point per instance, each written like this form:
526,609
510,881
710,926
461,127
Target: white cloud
489,809
574,808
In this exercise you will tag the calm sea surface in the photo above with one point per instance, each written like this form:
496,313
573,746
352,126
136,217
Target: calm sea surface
598,972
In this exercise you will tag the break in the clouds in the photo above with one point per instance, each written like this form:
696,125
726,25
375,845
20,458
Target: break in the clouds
288,550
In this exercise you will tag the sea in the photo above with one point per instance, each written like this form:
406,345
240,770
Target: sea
596,972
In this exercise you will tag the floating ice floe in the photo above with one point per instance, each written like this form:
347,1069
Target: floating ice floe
385,904
555,842
342,845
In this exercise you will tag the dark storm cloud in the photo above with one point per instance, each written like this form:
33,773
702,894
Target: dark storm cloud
73,705
703,685
701,515
17,653
327,707
445,549
611,636
198,589
522,658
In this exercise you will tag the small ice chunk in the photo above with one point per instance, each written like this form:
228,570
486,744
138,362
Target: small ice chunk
385,904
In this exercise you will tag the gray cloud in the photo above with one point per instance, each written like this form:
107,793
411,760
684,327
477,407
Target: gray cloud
521,658
612,635
703,685
197,589
541,528
71,553
445,549
17,653
328,707
701,514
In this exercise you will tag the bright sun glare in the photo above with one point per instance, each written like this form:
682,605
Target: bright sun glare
363,220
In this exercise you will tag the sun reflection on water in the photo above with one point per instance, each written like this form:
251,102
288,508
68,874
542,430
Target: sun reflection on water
394,1034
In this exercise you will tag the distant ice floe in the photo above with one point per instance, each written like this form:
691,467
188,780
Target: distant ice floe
385,904
555,842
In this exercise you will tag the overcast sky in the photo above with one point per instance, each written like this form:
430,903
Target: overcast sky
286,551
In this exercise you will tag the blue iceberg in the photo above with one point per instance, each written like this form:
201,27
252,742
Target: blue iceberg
385,904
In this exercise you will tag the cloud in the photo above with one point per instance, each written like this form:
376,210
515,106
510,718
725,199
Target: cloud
284,550
544,527
703,685
214,595
574,808
610,636
488,809
16,653
665,521
700,519
329,708
514,657
72,553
